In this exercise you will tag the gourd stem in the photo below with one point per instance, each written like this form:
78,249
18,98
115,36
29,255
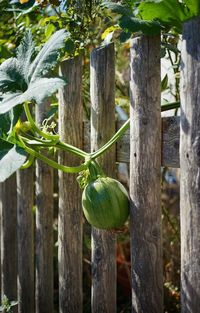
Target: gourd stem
35,127
125,126
28,163
170,106
65,169
33,141
116,137
53,138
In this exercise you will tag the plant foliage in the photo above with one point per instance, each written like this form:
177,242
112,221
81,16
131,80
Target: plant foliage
151,16
24,79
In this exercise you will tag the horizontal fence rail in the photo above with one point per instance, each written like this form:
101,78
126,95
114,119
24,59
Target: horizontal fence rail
169,148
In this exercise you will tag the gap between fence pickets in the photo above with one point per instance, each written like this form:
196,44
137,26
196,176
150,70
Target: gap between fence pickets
170,142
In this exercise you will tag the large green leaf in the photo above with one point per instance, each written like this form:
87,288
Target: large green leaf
166,11
48,56
11,159
11,77
117,8
147,15
24,54
8,121
134,24
37,91
10,101
5,122
43,88
193,6
14,73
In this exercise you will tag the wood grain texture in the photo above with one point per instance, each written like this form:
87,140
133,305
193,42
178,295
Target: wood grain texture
145,164
70,211
102,82
169,148
44,228
25,231
170,141
8,209
190,168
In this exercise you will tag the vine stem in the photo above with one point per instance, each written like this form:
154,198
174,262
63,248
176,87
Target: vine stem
125,126
116,137
53,138
63,168
28,163
54,141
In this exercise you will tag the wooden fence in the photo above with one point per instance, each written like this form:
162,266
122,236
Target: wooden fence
152,142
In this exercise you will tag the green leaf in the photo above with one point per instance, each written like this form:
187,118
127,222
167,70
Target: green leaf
43,88
14,73
24,54
10,101
193,6
134,24
11,159
37,91
171,47
117,8
165,11
5,122
11,77
69,46
164,83
49,30
47,57
124,36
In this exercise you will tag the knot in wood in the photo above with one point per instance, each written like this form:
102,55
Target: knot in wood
155,232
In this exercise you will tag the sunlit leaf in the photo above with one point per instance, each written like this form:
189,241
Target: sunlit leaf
43,88
48,56
193,6
166,11
24,54
11,159
10,101
11,76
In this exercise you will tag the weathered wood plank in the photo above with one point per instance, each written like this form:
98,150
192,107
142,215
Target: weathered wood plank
145,163
44,228
70,211
25,233
102,82
8,208
190,168
170,142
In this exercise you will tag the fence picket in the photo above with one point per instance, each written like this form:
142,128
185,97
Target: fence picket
190,168
8,207
70,212
153,141
44,228
25,236
102,128
145,165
